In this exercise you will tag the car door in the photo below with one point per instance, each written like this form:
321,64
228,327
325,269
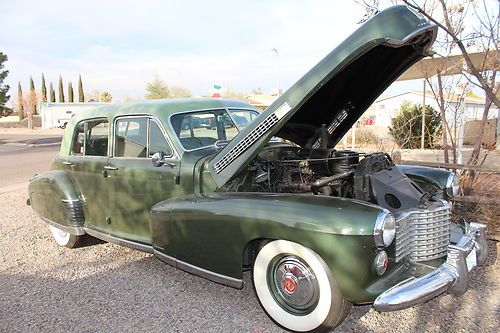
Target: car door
85,164
134,184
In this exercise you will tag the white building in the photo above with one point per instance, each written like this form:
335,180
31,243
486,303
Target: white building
58,114
385,108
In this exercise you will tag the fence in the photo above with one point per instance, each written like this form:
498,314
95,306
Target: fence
471,128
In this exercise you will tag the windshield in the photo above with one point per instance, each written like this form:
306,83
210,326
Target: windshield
241,118
201,129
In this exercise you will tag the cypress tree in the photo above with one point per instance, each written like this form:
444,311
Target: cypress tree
61,90
70,92
52,93
81,96
44,90
20,107
4,88
33,93
32,84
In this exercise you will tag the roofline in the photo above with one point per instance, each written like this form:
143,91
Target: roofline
428,94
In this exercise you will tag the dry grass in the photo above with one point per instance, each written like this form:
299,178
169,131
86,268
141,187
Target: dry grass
486,187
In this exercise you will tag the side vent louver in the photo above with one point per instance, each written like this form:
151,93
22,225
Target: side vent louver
253,136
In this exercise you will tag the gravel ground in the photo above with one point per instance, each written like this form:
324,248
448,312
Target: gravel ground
104,287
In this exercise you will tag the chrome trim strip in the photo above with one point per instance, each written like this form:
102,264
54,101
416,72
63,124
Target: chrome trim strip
209,275
452,276
119,241
73,209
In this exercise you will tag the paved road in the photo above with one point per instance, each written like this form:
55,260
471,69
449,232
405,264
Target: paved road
19,162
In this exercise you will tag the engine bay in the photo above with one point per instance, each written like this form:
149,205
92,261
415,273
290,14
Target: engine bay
284,168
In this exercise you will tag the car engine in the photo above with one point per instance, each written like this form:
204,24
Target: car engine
283,168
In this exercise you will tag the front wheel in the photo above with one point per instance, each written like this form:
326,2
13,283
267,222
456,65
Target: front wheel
297,289
64,238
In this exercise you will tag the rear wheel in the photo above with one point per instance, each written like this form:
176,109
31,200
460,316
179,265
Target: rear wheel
296,288
64,238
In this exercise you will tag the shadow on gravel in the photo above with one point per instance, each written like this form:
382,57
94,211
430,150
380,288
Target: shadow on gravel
89,241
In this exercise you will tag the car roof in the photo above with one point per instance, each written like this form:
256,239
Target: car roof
160,107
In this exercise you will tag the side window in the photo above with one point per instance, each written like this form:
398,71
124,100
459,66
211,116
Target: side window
78,140
131,137
91,138
157,141
202,129
96,138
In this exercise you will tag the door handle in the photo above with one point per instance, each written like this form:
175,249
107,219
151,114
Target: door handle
67,163
107,167
170,164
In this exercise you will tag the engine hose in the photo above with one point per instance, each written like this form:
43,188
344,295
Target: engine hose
327,180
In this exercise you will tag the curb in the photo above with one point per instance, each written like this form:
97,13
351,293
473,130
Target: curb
45,144
21,144
16,144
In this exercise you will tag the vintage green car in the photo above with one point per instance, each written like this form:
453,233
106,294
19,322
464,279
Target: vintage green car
202,185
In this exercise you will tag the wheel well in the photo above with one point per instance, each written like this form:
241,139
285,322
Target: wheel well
251,249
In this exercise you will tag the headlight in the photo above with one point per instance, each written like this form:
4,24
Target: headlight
452,185
385,229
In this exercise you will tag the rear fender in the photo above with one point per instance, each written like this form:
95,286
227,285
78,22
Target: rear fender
54,198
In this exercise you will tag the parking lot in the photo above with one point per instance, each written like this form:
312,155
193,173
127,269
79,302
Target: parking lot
104,287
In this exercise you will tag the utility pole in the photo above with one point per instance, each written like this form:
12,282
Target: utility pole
353,137
460,139
422,142
277,72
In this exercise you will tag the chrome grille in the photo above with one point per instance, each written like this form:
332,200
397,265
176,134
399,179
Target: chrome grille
423,234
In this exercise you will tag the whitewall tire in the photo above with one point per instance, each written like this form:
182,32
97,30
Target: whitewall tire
64,238
296,288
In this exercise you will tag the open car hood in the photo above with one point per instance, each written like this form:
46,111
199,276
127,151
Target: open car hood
335,92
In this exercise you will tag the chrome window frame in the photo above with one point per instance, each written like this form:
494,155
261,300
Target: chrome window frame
173,155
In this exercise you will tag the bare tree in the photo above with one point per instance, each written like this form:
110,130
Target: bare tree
179,92
484,33
469,27
29,106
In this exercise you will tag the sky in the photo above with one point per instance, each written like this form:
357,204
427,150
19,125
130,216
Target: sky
119,46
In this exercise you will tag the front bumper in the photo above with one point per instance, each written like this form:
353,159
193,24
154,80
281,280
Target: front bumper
469,250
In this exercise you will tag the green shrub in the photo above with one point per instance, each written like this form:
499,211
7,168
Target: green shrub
406,127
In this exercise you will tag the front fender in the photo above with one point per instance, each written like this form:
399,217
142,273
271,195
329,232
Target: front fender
53,196
212,232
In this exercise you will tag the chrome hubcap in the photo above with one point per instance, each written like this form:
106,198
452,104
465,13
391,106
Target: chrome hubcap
294,284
